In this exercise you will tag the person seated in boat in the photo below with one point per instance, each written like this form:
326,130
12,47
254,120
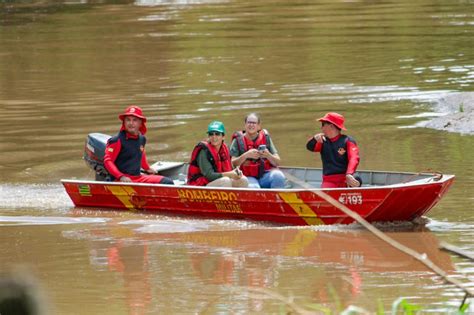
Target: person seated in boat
252,150
339,153
211,163
125,152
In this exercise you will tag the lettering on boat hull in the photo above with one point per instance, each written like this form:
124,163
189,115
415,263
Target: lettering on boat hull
351,198
223,200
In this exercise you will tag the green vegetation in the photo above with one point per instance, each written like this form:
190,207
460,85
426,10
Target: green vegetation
402,305
288,306
399,306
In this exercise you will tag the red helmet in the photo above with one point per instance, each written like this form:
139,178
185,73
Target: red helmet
335,119
137,112
133,111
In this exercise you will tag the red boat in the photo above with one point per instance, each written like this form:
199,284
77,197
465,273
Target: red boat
384,196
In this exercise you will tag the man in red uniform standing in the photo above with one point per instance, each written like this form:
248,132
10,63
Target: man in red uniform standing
339,153
125,152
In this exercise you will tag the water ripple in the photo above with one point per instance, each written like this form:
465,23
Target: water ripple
34,196
36,220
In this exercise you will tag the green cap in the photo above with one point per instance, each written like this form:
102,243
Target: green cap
216,126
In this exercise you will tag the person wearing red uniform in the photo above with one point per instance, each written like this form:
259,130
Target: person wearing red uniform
339,153
125,152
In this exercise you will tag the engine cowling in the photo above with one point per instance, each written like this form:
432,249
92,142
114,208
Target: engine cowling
94,151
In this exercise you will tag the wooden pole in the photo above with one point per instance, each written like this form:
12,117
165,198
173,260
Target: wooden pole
458,251
423,258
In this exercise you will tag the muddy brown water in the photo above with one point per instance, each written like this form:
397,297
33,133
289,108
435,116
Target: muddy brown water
69,68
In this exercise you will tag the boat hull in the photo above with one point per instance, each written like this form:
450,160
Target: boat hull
404,202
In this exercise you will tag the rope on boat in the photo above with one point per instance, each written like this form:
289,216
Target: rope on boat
423,258
437,176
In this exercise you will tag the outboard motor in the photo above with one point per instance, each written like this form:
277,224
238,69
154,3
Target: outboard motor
94,151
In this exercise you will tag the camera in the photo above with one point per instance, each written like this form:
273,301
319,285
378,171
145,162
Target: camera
238,171
262,147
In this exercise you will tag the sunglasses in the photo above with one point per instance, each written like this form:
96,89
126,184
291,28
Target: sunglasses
214,133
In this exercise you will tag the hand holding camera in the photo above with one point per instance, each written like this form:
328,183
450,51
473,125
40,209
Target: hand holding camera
238,171
235,174
262,150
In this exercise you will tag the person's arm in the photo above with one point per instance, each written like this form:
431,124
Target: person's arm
315,143
353,158
234,174
144,164
234,153
237,159
112,150
271,154
206,167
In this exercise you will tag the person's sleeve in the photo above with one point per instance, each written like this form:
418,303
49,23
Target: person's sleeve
271,147
353,157
206,167
144,162
112,150
313,146
234,149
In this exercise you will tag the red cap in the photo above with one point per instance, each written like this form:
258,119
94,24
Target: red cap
335,119
133,111
137,112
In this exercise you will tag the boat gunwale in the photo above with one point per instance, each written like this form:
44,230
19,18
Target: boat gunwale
413,183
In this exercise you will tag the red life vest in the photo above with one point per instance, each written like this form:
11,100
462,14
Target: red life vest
220,161
252,167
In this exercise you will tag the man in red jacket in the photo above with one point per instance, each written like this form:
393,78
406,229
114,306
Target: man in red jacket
339,153
125,152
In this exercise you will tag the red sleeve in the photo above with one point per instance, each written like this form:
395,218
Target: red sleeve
112,150
318,146
353,157
144,163
313,146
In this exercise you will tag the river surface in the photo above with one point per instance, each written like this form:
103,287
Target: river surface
68,68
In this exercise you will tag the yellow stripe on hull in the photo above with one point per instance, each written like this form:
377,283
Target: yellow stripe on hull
301,208
124,194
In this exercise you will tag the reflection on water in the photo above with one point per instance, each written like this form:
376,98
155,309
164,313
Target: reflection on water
69,67
148,263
